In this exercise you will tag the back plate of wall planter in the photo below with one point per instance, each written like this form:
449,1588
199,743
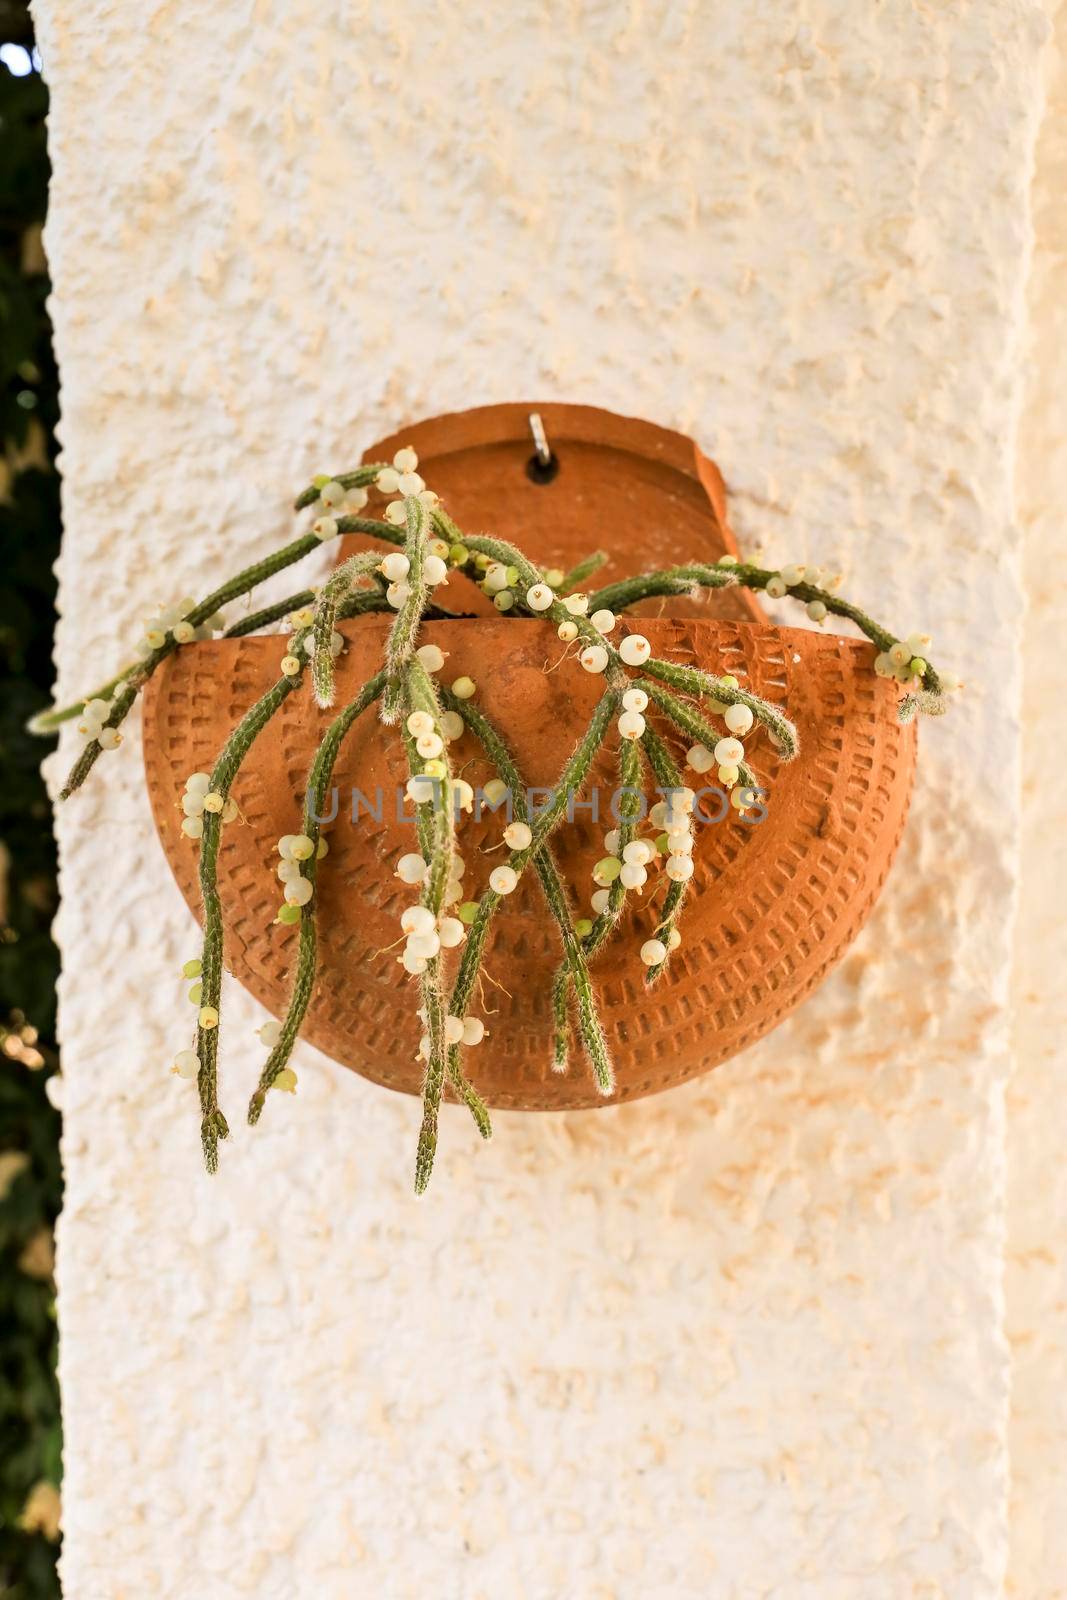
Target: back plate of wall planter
772,906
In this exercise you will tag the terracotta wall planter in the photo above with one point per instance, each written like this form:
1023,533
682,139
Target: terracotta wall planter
774,906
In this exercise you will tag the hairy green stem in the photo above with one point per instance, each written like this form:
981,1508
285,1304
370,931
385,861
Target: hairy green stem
318,783
570,783
401,643
574,966
669,778
694,681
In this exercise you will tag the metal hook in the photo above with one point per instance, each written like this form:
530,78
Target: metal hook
540,439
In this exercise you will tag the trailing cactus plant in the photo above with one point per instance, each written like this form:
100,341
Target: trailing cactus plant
646,705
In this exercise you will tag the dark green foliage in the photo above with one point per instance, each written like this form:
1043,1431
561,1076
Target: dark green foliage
29,544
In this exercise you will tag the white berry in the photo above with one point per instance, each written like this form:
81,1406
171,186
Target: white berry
187,1063
431,656
631,724
639,851
594,658
503,879
517,835
635,649
635,700
728,752
395,567
539,597
653,952
679,868
700,758
738,719
412,868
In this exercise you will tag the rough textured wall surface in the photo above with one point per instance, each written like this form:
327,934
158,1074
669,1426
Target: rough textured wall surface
743,1340
1036,1280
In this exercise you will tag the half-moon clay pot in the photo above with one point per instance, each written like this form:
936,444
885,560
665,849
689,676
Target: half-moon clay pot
773,906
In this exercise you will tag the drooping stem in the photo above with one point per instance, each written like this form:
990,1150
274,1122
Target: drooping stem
319,779
689,580
435,820
669,778
574,966
693,681
213,1123
400,646
134,681
337,588
620,596
606,920
570,782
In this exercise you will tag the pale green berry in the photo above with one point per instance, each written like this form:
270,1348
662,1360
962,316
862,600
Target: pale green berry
186,1064
192,969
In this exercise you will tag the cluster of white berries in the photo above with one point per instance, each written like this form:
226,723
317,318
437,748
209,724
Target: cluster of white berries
728,753
294,849
199,798
672,820
789,577
171,620
458,1030
906,662
334,497
403,478
91,723
426,936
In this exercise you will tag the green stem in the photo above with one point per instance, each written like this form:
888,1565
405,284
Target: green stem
358,478
570,782
319,779
669,778
213,1123
400,646
574,966
694,681
618,597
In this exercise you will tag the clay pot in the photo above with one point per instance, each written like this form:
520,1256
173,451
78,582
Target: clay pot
773,906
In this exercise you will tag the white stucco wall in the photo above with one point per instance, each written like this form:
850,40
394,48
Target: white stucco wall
1035,1279
746,1339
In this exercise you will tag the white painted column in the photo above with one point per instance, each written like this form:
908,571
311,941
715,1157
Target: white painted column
745,1339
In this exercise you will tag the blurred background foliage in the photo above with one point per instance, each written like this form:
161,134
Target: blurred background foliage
30,1179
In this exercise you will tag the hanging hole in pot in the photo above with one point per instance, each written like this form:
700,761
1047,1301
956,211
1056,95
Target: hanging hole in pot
539,471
